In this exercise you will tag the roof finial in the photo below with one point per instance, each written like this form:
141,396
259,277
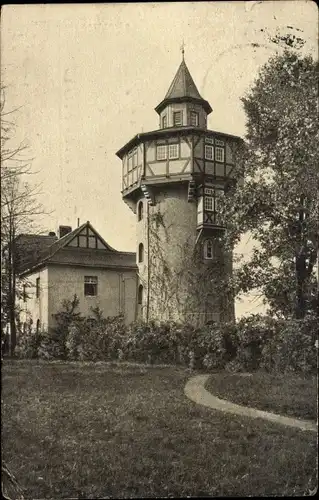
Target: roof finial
183,49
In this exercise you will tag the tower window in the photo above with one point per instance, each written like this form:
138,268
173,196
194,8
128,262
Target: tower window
140,295
38,326
164,121
37,288
161,152
141,252
173,151
90,285
209,152
219,154
209,203
177,118
209,140
132,159
140,211
194,119
208,250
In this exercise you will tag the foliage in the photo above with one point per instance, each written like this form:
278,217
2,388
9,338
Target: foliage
53,344
29,342
254,342
278,203
205,286
19,211
153,342
292,348
263,342
95,340
252,333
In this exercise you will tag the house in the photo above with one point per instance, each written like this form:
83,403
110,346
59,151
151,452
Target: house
79,262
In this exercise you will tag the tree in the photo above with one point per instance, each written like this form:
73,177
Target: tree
278,201
19,208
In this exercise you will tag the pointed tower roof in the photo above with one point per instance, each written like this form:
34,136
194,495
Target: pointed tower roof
183,84
183,88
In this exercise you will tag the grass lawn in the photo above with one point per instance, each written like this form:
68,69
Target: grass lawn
102,431
287,395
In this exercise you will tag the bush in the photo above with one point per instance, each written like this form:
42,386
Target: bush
292,349
167,342
28,343
250,336
93,339
52,345
252,343
208,347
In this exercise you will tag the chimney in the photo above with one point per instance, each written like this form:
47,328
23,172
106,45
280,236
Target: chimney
64,230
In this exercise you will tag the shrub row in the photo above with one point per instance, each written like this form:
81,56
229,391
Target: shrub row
254,342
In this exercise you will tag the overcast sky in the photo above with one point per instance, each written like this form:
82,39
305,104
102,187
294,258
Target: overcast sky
88,77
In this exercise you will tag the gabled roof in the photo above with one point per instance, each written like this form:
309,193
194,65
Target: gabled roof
30,248
65,240
183,88
62,251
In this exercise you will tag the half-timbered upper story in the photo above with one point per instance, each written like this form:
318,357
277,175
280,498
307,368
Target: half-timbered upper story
182,150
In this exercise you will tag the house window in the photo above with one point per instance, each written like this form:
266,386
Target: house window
140,211
209,140
173,151
209,152
140,252
194,119
164,121
140,295
219,143
90,285
219,154
37,288
161,152
177,119
208,249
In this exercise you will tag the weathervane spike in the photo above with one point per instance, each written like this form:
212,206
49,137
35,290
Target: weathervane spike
183,49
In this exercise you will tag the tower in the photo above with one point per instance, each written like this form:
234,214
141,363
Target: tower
172,179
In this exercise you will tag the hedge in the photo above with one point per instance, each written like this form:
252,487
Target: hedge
254,342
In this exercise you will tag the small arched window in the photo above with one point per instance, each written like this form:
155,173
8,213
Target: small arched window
141,252
140,209
208,249
140,295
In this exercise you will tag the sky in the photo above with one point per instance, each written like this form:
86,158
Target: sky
87,77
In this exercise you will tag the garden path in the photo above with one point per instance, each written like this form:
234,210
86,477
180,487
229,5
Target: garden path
195,390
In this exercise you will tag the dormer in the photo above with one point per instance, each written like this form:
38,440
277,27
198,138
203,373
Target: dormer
183,105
